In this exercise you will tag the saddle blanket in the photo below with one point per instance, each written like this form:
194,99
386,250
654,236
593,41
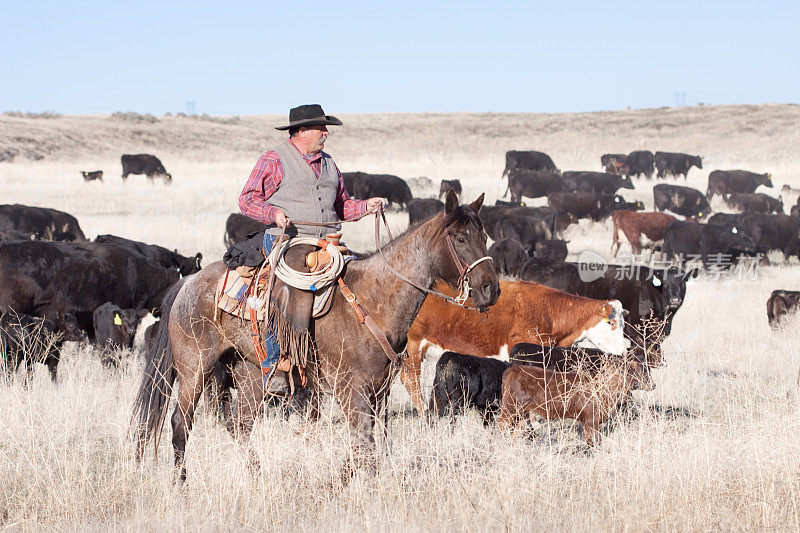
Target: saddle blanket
233,297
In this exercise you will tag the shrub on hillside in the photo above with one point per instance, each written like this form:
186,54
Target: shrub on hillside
130,116
43,114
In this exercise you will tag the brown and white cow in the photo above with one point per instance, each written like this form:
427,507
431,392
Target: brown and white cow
633,224
525,312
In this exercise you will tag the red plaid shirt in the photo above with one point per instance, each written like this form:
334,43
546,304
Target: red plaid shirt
265,179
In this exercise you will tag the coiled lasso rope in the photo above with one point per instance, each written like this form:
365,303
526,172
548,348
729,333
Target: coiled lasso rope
308,281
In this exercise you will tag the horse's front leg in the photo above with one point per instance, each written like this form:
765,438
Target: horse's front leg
248,382
360,412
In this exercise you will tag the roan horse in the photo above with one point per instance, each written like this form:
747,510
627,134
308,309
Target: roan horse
347,361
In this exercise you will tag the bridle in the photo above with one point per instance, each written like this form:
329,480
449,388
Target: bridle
463,267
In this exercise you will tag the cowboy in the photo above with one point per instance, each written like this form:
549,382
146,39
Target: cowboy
296,180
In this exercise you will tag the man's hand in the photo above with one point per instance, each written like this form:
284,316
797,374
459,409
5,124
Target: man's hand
374,203
281,220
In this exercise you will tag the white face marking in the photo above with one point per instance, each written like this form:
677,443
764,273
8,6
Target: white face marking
656,282
734,230
606,336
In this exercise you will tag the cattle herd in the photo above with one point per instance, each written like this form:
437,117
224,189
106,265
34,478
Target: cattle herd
567,335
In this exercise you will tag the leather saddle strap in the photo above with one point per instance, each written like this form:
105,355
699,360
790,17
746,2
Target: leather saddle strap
365,319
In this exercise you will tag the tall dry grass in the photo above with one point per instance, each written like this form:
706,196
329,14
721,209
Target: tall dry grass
714,446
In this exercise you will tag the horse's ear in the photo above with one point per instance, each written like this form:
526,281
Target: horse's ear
476,205
450,202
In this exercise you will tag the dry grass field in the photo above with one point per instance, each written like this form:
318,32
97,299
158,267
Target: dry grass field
715,446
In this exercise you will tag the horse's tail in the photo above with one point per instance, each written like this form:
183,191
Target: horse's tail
150,406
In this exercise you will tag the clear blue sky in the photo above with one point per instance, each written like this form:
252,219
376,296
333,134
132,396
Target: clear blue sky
264,57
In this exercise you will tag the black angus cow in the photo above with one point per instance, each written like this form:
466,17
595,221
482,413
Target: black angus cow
239,226
772,232
463,381
528,230
34,339
724,219
683,201
535,184
780,303
597,182
363,186
726,182
715,245
157,254
92,175
675,164
638,163
755,203
446,185
612,163
423,208
552,248
553,273
528,160
491,214
651,296
146,164
578,205
115,328
507,256
767,234
50,279
40,223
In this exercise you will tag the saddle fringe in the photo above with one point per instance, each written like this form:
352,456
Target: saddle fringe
299,346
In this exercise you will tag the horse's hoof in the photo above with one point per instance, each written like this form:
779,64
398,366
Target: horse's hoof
181,478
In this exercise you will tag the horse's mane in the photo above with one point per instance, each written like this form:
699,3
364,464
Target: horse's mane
461,217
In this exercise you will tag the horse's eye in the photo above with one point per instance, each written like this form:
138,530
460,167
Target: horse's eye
461,240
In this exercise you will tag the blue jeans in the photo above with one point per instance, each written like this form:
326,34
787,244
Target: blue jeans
271,345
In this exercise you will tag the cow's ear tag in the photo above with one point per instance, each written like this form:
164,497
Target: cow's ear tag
117,319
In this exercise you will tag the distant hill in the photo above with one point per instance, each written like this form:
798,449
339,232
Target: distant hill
728,130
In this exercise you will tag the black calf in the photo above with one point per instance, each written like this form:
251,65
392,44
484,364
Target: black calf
463,381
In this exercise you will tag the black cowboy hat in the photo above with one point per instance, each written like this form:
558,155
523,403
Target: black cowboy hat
309,115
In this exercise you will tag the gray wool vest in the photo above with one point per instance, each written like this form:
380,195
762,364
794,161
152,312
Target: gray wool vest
304,197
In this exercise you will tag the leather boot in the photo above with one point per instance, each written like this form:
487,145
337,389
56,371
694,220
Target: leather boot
278,385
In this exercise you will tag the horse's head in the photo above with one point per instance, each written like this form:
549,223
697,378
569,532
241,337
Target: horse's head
464,258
